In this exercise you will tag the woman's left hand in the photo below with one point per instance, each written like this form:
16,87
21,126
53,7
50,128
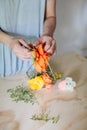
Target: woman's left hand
50,44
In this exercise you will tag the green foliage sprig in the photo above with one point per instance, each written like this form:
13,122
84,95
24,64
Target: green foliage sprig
45,117
22,94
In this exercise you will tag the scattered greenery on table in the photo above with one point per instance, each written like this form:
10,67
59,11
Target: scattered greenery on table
22,94
45,117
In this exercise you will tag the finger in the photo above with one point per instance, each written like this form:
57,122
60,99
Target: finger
37,43
47,45
22,49
22,57
54,44
23,42
25,54
54,53
26,59
52,49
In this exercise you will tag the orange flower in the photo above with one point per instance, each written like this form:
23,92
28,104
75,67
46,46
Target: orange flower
46,78
41,59
41,49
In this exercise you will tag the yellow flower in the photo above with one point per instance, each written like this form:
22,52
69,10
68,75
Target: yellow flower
58,76
36,83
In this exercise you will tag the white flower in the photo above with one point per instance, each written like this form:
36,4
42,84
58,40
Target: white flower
70,84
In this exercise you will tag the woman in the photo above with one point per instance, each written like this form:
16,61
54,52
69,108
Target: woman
36,18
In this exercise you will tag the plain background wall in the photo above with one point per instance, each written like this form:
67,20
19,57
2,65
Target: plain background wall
71,30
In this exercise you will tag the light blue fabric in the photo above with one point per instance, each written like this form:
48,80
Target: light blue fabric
19,17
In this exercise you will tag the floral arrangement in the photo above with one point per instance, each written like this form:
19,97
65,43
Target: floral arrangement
43,76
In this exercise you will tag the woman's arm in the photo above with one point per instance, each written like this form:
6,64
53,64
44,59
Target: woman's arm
50,18
48,28
5,38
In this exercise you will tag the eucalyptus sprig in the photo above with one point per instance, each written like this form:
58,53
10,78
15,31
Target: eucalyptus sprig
45,117
22,94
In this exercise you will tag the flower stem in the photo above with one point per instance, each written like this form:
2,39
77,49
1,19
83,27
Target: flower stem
52,72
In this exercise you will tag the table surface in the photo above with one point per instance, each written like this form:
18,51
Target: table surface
70,106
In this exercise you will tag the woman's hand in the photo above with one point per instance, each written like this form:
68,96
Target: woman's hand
50,44
20,48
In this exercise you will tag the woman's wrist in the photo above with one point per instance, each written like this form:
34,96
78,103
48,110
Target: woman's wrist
47,34
5,38
49,26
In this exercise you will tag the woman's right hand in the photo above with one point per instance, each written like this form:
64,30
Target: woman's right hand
20,48
18,45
